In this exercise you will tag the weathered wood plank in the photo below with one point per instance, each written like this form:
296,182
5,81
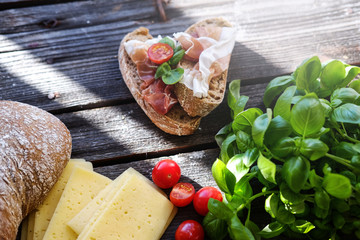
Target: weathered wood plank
124,132
78,57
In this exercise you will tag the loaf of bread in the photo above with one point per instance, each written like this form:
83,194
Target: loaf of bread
184,118
35,147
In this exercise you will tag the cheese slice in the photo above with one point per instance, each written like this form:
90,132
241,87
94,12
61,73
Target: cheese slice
78,223
83,185
45,211
136,211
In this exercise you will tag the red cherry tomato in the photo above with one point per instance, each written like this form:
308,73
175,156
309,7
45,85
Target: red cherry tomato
202,197
182,194
160,53
189,230
166,173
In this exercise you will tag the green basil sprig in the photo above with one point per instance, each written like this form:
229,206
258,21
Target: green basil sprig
305,152
164,71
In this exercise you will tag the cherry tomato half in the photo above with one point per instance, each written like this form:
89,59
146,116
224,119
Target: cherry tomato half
166,173
189,230
182,194
160,53
202,197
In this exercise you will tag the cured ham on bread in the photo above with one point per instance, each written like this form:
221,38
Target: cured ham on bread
178,79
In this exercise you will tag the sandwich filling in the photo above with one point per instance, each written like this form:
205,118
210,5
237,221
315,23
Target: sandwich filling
209,47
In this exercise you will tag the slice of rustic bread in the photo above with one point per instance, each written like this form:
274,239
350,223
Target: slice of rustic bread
195,106
176,121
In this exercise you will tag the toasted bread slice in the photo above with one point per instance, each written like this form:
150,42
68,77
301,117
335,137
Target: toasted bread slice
176,121
195,106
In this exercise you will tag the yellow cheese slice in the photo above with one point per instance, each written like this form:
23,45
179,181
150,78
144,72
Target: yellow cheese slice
83,185
78,223
137,211
46,209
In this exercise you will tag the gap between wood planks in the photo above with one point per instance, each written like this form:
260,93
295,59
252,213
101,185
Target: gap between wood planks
157,154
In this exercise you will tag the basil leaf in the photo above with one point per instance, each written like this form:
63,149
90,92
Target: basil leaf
234,93
322,199
238,231
237,166
245,120
314,179
223,177
351,73
239,105
162,70
175,59
313,149
283,215
302,226
295,172
272,230
338,220
283,104
267,168
307,73
355,85
260,126
219,209
347,113
337,185
168,41
307,115
278,129
222,134
173,76
284,147
275,87
272,204
340,205
243,188
288,197
343,95
253,228
244,141
215,228
332,74
250,157
228,148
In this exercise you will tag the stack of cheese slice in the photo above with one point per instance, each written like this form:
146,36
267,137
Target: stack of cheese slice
92,206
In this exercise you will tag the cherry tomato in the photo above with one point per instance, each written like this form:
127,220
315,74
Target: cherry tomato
182,194
189,230
166,173
160,53
202,197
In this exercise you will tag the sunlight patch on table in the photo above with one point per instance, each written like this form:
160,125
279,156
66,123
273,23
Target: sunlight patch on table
23,65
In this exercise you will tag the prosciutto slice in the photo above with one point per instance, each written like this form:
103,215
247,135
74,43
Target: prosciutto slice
159,95
212,47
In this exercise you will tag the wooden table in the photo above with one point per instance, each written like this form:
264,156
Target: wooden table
70,47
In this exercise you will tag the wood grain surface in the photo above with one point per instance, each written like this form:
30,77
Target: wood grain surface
69,48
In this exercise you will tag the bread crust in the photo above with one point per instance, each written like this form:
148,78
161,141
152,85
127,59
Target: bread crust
176,121
35,147
195,106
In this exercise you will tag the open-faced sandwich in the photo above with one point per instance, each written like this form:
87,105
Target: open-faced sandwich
178,80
